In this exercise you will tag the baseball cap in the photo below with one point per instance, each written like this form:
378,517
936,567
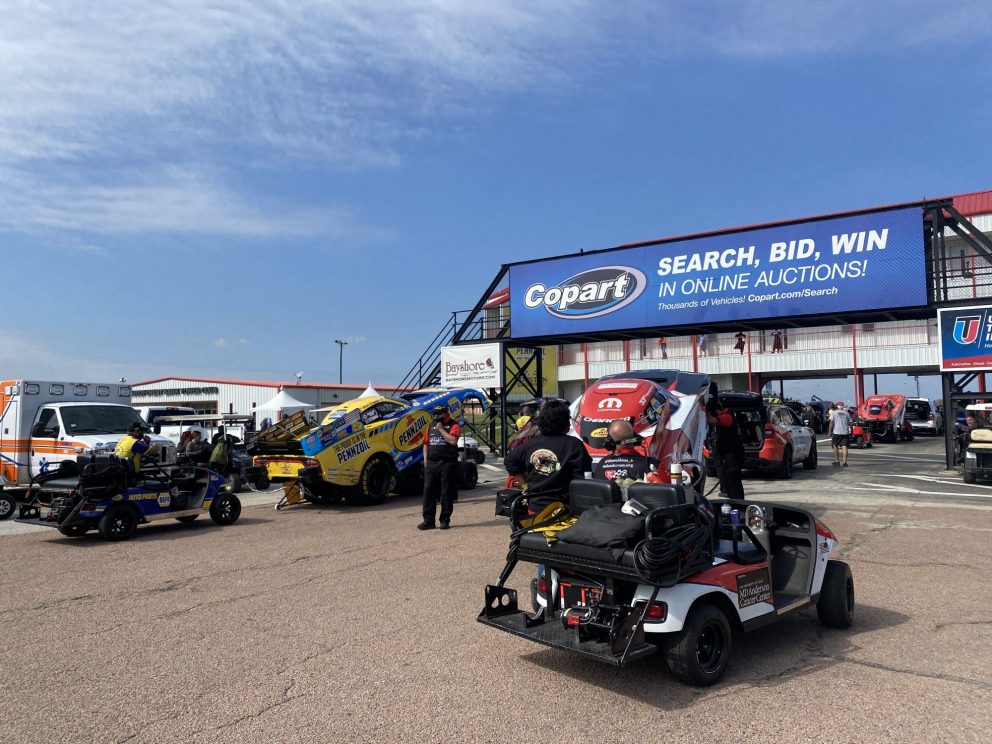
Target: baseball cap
840,403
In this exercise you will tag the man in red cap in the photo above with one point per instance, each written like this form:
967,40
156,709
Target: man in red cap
840,431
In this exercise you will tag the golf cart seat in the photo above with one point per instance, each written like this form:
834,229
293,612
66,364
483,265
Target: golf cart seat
102,477
585,494
980,439
64,478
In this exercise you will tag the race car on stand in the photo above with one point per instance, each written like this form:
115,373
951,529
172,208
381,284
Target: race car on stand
364,449
773,438
885,417
663,574
664,406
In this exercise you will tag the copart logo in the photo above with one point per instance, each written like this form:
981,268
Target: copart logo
589,293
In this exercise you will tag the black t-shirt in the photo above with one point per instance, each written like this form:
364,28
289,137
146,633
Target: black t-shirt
548,464
620,465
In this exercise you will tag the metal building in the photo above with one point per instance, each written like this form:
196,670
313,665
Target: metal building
209,395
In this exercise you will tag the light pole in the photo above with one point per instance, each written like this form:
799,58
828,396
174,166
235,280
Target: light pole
341,344
917,378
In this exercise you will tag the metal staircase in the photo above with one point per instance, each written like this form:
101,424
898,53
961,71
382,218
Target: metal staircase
464,326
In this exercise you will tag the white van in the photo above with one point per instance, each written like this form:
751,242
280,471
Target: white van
43,423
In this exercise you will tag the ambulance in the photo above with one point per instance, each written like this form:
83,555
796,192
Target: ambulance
43,423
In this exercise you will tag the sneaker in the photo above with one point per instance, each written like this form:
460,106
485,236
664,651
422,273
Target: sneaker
836,464
845,464
425,526
445,525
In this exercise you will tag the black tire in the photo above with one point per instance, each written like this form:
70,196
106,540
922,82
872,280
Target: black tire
969,477
74,530
225,509
188,518
7,506
480,457
468,476
323,494
811,459
260,482
890,436
785,469
698,655
235,483
119,522
377,479
835,607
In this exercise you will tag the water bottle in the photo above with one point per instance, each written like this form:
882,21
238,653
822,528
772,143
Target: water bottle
675,473
735,517
725,510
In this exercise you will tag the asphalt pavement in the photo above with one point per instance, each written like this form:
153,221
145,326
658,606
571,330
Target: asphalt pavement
326,624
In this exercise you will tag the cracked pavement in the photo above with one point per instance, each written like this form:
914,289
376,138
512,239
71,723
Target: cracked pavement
326,624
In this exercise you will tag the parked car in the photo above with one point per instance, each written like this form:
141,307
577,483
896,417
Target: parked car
774,439
924,417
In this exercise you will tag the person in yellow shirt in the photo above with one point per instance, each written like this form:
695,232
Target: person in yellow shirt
134,444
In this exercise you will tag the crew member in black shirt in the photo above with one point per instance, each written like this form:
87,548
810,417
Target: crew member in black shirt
550,461
440,467
626,461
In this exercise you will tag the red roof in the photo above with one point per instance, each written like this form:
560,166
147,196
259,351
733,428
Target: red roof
260,383
497,298
977,202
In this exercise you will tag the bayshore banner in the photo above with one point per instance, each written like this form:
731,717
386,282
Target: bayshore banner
472,365
861,262
965,338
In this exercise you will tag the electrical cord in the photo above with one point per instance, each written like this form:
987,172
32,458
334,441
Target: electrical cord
654,557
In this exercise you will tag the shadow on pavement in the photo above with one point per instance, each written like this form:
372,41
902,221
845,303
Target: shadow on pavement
795,646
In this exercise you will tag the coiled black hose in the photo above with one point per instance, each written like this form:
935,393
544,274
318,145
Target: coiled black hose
660,557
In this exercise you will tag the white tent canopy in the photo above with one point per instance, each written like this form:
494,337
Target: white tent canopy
283,402
370,392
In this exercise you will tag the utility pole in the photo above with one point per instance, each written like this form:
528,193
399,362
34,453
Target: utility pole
341,344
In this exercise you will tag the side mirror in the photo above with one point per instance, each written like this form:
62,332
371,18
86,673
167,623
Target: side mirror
157,428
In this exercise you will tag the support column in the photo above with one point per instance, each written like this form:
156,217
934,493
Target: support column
626,352
750,379
585,366
854,362
695,353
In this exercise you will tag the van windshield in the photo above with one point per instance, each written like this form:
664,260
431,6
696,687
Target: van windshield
99,419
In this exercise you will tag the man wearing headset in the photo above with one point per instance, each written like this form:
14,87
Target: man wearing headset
626,461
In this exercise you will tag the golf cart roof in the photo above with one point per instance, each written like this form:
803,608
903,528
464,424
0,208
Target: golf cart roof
979,407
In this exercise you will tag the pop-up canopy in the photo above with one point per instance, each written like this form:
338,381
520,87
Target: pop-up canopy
370,392
283,402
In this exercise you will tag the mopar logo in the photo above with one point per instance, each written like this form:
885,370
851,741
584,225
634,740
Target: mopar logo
589,293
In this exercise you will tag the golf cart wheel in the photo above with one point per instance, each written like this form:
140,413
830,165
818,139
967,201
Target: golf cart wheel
835,607
969,477
225,509
235,483
374,484
260,482
785,469
7,506
187,519
468,475
699,654
480,457
810,462
73,530
119,522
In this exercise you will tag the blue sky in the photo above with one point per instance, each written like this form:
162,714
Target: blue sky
223,188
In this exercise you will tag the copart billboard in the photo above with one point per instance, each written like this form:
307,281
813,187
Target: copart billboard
854,263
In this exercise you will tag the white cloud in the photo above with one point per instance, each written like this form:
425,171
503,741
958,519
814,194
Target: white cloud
223,343
120,118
